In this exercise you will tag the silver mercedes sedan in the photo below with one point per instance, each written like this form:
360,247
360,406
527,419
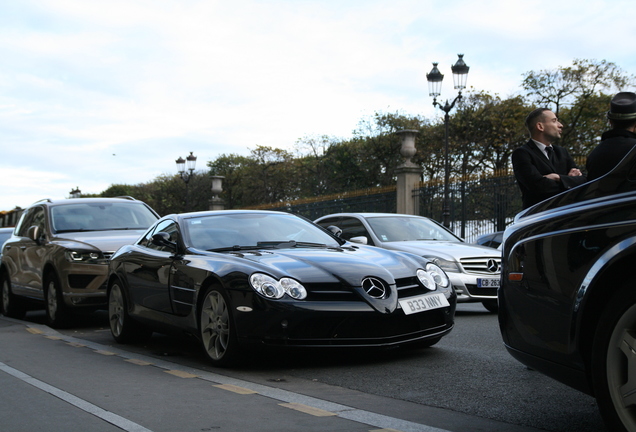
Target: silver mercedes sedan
473,270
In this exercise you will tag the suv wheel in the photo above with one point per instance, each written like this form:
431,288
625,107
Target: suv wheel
57,314
11,306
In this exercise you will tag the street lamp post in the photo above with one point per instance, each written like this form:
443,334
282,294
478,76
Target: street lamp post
434,78
189,163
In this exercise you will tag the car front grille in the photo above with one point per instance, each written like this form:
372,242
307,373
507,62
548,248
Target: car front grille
481,265
109,254
407,287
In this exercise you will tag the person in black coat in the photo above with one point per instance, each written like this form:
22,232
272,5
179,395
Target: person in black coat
542,169
618,141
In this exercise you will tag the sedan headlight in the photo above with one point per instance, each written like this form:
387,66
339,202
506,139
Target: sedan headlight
438,275
85,257
271,288
446,265
433,277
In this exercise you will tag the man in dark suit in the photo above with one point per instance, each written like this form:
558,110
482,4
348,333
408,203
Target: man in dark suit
542,169
618,141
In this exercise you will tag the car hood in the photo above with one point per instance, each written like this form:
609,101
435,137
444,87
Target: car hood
107,241
337,265
347,264
453,251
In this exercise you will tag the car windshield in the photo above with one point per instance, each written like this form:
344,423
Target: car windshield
101,216
235,231
393,229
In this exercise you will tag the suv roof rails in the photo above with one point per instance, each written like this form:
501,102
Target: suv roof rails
43,200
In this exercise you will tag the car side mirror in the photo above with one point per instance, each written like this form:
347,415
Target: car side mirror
335,230
163,239
35,234
360,239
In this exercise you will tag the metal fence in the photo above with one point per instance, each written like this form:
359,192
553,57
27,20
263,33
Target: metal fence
477,206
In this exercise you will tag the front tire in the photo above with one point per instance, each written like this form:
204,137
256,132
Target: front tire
217,333
614,362
123,328
57,313
11,306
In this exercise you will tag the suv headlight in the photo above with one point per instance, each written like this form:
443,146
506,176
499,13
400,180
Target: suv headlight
446,265
271,288
85,257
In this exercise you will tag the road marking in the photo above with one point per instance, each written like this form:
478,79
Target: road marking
181,374
138,362
85,406
308,409
235,389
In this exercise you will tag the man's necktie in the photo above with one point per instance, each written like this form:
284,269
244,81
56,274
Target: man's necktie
550,152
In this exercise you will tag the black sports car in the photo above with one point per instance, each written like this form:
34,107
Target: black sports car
235,278
567,301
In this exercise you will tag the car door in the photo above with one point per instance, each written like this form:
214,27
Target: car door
27,255
148,270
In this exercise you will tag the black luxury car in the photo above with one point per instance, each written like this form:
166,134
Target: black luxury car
264,278
567,302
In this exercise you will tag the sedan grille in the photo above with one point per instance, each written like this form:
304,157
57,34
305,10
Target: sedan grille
482,265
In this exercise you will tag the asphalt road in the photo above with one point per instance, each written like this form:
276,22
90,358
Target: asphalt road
466,379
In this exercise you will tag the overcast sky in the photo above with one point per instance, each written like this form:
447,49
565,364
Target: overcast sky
94,93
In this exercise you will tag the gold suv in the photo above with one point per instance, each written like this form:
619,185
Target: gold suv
58,253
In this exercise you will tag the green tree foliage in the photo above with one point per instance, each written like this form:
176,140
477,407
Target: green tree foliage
484,130
579,95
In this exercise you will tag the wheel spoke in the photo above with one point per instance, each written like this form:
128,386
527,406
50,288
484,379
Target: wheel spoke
215,331
115,310
52,300
627,345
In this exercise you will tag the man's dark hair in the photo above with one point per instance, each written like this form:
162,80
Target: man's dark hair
623,124
534,117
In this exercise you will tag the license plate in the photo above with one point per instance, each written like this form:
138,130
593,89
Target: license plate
423,303
488,283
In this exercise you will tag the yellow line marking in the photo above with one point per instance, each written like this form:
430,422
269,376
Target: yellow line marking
138,362
235,389
180,374
308,410
75,344
106,353
53,337
33,330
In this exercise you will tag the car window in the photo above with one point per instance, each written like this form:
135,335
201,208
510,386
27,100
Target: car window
32,217
4,235
352,227
248,229
167,226
105,216
395,228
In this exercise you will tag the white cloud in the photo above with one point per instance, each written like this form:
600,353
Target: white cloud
95,93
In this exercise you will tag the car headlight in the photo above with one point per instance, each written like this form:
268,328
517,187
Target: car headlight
85,257
269,287
426,279
438,275
446,265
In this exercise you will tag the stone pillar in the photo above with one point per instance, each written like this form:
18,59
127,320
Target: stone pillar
217,203
408,175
